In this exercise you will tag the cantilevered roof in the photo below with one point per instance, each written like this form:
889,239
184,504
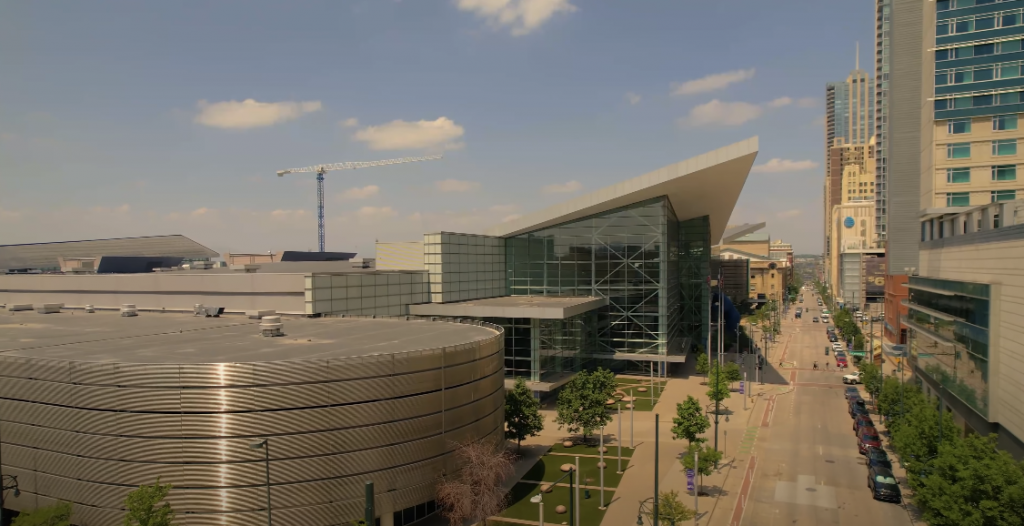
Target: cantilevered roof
735,232
535,307
706,185
44,255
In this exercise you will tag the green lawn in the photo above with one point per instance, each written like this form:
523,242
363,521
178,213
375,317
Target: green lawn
613,450
637,381
548,469
520,506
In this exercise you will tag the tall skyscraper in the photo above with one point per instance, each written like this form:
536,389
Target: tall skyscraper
882,11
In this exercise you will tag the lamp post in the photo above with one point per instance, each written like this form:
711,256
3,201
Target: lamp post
7,482
538,499
618,439
264,444
601,467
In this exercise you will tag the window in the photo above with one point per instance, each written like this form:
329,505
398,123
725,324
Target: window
1004,122
1011,19
982,74
958,175
882,479
963,26
1009,98
942,29
962,102
1006,172
1004,147
1009,71
1003,195
983,100
960,150
980,50
1010,46
988,22
958,199
942,5
959,126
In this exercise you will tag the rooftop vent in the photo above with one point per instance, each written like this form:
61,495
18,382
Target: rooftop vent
90,309
260,314
128,310
209,312
271,326
48,308
19,306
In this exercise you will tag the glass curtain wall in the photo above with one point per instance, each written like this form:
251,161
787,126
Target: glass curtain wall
694,269
541,350
623,255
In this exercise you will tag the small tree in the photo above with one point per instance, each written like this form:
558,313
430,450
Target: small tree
732,373
581,403
671,509
522,414
718,386
703,366
477,491
690,421
142,506
56,515
872,378
708,456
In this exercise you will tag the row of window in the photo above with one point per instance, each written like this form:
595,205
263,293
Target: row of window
946,5
1003,172
962,150
999,123
968,24
978,50
978,101
966,75
964,198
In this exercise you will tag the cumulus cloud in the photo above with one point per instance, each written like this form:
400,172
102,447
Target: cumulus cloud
721,113
563,188
350,122
361,193
633,98
807,102
249,113
521,16
790,213
454,185
376,212
712,82
780,102
407,135
199,212
777,165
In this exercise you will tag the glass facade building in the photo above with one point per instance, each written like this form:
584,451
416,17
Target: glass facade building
882,31
950,340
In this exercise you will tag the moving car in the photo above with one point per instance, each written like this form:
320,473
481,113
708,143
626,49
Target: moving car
814,319
853,378
883,485
866,439
877,457
852,392
841,359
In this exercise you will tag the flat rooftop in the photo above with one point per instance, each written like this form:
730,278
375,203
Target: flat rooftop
537,307
158,338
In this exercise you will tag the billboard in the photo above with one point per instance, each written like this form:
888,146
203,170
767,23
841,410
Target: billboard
874,276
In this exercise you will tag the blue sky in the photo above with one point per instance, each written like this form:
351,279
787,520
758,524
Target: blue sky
127,118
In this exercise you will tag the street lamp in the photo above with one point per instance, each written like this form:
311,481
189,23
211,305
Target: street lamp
641,509
538,499
264,444
7,482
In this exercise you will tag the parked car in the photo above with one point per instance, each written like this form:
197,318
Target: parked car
877,457
858,408
883,485
841,359
867,430
852,392
853,378
862,420
866,439
814,319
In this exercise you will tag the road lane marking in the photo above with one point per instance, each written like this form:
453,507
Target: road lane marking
741,502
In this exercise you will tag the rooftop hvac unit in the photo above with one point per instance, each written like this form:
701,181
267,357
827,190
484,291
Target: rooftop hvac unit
209,312
48,308
19,306
128,310
90,309
271,326
260,314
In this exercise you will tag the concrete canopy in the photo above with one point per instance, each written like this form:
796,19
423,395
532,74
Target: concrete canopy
706,185
735,232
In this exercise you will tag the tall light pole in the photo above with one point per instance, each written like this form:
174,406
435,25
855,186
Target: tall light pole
264,444
7,482
618,439
538,499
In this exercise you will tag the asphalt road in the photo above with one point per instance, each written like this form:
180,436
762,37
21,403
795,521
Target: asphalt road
808,470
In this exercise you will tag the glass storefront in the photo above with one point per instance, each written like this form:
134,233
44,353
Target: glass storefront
541,350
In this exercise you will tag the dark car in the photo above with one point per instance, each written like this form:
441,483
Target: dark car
833,338
883,485
852,391
858,408
814,319
862,420
866,439
877,457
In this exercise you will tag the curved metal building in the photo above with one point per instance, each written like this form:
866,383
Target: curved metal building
94,405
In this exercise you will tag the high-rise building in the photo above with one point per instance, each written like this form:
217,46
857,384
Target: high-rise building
882,9
978,83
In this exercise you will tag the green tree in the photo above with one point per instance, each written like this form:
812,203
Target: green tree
144,507
581,402
872,378
732,372
671,509
690,421
703,366
858,343
971,483
522,414
915,436
56,515
718,384
707,457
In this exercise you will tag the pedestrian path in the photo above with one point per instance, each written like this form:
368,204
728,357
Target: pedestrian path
749,439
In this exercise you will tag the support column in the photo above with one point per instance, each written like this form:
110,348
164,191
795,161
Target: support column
535,350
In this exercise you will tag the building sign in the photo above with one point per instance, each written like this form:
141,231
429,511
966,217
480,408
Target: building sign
849,222
874,276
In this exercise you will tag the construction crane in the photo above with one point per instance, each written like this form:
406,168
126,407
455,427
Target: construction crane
321,169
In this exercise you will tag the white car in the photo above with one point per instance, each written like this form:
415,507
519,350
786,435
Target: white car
854,378
836,346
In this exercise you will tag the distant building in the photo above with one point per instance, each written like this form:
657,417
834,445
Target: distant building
47,257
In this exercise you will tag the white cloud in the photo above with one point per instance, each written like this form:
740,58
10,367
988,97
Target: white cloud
563,188
406,135
780,102
522,16
633,98
777,165
512,217
790,213
361,193
376,213
249,113
200,211
454,185
721,113
350,122
807,102
712,82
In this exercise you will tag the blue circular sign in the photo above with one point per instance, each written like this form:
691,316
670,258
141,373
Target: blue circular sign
849,222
